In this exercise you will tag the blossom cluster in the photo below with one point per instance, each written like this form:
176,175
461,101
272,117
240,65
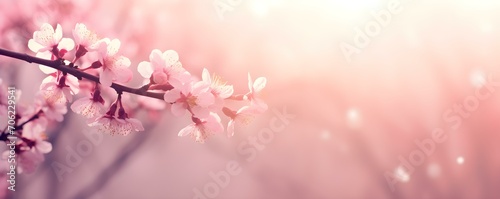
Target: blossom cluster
110,109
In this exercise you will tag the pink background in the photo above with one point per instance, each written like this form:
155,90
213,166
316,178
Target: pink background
353,120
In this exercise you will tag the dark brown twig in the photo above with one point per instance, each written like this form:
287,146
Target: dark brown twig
59,65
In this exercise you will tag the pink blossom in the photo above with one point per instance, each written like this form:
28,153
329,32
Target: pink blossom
113,125
84,38
163,68
48,40
39,122
255,88
108,124
54,93
129,124
28,161
51,109
244,116
69,80
34,132
217,85
195,98
90,107
114,66
48,43
201,129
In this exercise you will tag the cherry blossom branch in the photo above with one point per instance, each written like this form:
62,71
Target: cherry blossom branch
34,117
59,65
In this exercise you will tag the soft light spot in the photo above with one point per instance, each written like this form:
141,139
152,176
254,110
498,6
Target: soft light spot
401,174
353,118
433,170
460,160
259,8
352,114
325,135
477,78
486,27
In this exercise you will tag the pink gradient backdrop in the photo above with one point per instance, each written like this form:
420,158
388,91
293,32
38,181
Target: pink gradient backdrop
352,120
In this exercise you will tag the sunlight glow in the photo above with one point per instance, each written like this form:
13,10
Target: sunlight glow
477,78
401,174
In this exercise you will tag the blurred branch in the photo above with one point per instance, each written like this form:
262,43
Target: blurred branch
119,163
59,65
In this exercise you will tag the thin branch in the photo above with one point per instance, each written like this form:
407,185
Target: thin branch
59,65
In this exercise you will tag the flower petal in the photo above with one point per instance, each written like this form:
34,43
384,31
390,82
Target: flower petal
171,57
172,95
200,112
113,47
188,130
136,124
57,34
123,74
205,99
106,78
250,83
156,59
178,109
205,76
47,70
226,91
159,77
230,128
145,69
34,46
43,146
259,84
66,43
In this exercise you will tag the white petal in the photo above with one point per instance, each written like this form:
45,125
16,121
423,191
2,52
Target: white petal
79,103
200,87
66,43
43,146
145,69
250,83
188,130
34,46
230,128
73,84
259,84
79,32
58,34
226,91
205,76
47,70
136,124
171,57
113,47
